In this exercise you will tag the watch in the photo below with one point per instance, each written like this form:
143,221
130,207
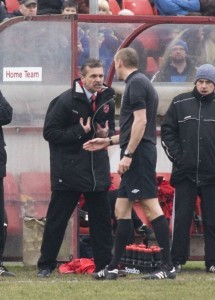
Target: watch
110,141
128,154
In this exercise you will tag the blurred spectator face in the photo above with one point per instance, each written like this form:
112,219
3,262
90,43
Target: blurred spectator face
178,54
104,8
69,11
28,8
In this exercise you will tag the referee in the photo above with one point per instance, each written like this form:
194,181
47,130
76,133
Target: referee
137,166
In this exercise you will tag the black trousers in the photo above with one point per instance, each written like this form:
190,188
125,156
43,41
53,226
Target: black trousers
60,209
186,192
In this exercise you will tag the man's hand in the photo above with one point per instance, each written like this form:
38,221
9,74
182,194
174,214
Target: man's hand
86,127
96,144
124,165
102,132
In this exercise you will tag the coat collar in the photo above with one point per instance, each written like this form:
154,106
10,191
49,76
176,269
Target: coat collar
199,96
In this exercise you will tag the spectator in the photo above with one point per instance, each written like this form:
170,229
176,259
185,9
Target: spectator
6,112
69,7
83,7
174,8
178,67
70,121
108,47
112,41
27,8
188,139
137,165
84,47
48,7
104,8
3,12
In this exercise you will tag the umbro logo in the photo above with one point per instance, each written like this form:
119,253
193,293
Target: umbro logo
135,191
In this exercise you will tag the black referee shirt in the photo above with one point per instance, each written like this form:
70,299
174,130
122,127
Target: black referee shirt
139,94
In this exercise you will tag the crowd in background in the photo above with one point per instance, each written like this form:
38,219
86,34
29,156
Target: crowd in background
159,7
154,46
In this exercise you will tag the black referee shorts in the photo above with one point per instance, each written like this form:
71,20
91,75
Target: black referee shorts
139,182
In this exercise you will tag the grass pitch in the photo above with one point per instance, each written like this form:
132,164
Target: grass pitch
192,283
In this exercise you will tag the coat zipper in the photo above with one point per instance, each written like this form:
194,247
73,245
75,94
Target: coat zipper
92,153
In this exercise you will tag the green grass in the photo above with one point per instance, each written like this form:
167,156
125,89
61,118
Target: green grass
192,283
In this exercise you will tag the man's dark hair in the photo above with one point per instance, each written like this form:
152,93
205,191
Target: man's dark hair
129,57
70,3
91,63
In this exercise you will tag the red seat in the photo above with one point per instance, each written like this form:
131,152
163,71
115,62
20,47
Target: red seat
35,193
12,204
114,7
12,5
139,7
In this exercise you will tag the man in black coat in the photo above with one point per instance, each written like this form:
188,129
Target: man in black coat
188,138
6,113
73,118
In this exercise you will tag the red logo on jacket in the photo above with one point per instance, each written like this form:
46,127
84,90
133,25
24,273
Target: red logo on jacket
106,108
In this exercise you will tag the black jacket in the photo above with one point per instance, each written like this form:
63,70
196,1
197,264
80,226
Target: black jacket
6,113
169,73
73,168
188,137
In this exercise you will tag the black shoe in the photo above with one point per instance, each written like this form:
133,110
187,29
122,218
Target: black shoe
106,274
162,273
4,272
146,232
178,267
44,273
211,269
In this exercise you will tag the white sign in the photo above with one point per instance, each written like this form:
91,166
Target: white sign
22,74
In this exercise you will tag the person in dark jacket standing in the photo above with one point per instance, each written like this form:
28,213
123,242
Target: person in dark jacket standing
73,118
137,166
188,138
178,67
6,113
